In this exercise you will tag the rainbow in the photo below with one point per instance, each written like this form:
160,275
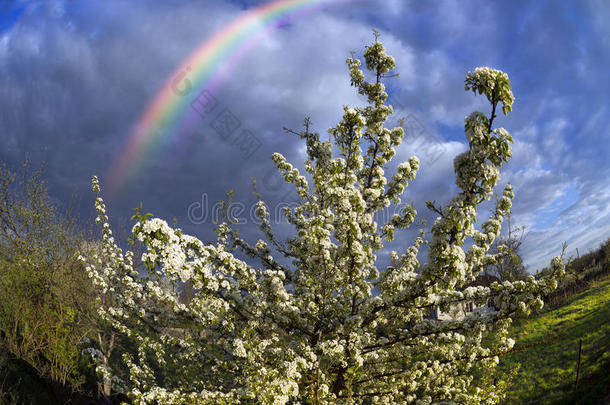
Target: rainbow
205,68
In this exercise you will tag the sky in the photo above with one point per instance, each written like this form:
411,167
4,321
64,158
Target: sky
77,76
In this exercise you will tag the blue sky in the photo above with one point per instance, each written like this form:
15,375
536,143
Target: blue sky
75,76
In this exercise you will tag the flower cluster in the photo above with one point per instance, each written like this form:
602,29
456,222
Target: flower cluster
494,84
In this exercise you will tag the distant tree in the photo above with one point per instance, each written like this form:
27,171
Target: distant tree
579,274
509,266
604,257
329,327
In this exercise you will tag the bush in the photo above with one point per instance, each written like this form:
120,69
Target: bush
45,291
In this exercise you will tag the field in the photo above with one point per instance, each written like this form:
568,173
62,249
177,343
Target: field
547,349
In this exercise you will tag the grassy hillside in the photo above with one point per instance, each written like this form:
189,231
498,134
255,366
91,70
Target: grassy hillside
547,348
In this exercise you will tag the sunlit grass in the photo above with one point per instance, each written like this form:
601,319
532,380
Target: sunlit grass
547,348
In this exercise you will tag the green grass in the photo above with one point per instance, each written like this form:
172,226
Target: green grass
547,348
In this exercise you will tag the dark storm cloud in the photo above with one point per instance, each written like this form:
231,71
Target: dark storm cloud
75,77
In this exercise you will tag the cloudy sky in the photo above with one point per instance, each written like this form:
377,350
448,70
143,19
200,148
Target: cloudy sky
76,77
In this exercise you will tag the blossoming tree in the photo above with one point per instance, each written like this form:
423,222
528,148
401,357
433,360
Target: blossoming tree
325,324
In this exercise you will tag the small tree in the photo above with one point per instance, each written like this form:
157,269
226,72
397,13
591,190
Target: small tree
510,264
330,327
103,344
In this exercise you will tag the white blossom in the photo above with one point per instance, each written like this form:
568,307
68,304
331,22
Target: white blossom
324,324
